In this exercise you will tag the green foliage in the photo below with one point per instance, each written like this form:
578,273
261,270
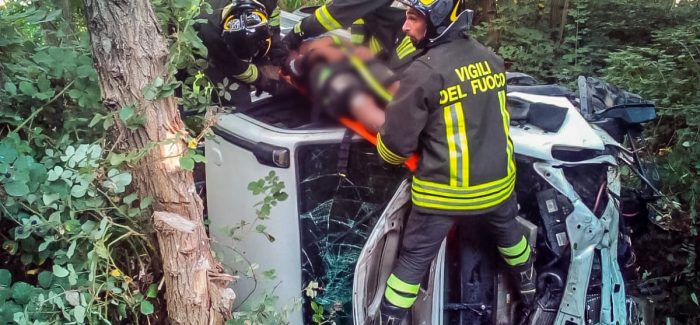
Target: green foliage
265,309
667,69
71,251
291,5
648,47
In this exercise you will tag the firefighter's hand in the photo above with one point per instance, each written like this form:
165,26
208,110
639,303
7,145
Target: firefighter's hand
292,41
278,50
266,84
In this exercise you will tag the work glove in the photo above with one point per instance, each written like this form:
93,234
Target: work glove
266,84
292,41
278,52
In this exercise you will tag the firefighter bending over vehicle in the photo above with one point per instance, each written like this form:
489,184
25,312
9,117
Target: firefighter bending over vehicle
374,23
450,107
240,35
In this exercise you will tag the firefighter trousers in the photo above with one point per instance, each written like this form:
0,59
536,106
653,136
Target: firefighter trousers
423,237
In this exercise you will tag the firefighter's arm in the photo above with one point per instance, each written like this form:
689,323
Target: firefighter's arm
407,114
337,14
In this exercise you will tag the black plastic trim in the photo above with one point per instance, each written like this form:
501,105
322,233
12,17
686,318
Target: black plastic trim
263,152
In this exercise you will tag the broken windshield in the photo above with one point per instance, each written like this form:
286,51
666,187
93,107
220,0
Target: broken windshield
337,215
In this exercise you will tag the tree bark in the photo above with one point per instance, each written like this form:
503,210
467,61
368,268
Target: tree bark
129,52
557,18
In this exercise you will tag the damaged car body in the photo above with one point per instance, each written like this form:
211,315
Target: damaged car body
342,225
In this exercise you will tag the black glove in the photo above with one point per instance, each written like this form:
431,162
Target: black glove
278,52
266,84
292,41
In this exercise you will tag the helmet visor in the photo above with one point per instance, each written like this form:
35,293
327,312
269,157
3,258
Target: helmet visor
246,20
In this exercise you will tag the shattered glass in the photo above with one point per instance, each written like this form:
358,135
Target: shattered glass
337,215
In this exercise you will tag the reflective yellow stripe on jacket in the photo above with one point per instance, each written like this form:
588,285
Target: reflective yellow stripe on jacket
386,154
324,17
405,48
458,194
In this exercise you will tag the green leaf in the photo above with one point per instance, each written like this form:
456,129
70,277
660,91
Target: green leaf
145,202
126,113
96,119
73,297
187,163
79,313
72,276
78,190
270,274
45,278
199,158
5,277
10,88
22,292
694,298
146,308
55,173
315,307
49,198
281,196
130,198
71,249
27,88
60,272
17,188
152,291
115,159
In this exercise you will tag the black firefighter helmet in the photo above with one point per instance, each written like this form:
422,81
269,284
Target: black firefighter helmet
440,14
246,29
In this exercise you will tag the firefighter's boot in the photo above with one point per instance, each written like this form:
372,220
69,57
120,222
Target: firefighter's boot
390,314
527,284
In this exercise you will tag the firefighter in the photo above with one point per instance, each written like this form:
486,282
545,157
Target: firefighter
450,108
375,23
239,36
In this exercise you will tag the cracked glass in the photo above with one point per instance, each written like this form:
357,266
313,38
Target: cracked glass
337,212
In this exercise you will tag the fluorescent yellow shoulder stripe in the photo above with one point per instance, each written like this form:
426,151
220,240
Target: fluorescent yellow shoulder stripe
374,45
369,78
359,22
405,48
249,75
326,20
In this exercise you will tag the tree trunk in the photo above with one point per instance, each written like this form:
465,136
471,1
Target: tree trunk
490,12
129,52
557,18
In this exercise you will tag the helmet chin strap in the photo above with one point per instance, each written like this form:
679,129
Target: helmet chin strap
460,17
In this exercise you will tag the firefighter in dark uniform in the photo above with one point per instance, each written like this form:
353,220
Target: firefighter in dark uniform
451,109
240,35
375,23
